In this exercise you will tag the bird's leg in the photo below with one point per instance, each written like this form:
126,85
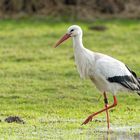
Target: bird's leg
106,108
107,113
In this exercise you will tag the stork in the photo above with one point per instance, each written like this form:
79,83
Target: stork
108,74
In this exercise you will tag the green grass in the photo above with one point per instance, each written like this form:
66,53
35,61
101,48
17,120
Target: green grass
41,85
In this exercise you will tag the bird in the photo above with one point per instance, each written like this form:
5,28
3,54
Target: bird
108,74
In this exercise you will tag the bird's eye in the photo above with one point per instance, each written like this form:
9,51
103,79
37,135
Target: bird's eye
71,30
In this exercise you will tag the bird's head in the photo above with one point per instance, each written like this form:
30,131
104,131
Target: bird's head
72,31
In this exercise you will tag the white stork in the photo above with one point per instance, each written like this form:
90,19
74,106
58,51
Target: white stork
108,74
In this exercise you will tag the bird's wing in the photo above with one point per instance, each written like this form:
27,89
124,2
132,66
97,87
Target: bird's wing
115,71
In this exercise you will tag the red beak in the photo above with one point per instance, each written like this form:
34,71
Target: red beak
63,38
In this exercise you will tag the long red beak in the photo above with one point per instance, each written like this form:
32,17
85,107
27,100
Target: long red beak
63,38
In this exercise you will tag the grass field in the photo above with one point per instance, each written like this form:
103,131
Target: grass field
41,85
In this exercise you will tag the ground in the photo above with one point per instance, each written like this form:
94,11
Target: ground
41,85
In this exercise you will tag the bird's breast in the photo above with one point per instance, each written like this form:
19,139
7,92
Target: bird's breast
84,65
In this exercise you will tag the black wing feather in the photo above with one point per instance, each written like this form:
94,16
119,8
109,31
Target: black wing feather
129,82
126,81
133,73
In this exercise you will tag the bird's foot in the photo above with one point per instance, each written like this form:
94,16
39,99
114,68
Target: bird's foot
89,119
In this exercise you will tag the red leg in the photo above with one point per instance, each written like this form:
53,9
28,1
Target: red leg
106,108
107,116
107,113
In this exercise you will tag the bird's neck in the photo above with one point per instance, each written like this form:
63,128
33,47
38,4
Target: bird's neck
82,56
77,43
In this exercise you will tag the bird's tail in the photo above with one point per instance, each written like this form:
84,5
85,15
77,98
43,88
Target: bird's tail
138,79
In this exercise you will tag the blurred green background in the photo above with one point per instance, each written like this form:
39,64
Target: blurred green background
41,85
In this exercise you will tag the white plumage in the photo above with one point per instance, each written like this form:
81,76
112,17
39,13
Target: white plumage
99,67
108,74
